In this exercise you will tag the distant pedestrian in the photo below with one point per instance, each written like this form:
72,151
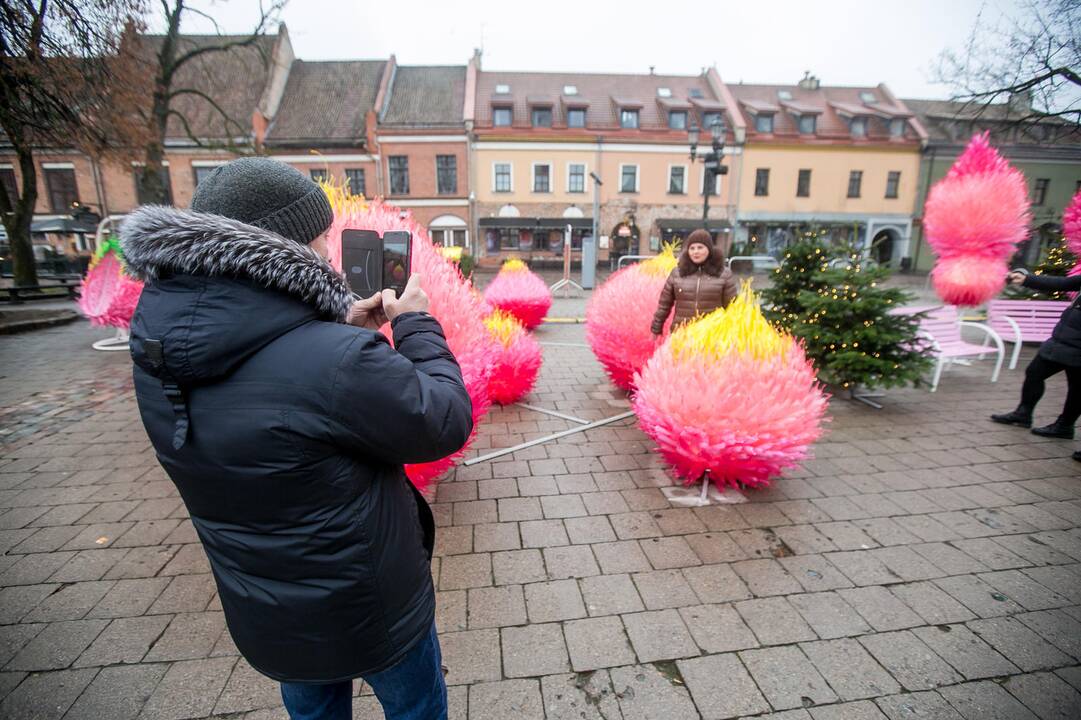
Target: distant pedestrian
698,285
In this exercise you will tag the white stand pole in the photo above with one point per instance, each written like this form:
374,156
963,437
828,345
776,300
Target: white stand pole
566,283
116,342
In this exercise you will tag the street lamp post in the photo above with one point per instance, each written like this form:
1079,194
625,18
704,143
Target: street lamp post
712,161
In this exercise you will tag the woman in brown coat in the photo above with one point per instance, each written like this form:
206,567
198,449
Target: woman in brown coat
699,285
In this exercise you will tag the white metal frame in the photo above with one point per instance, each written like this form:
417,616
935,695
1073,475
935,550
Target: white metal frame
942,362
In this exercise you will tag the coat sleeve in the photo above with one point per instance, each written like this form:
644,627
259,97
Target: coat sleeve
408,405
731,289
664,306
1050,283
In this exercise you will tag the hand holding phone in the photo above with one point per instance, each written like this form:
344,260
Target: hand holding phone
372,263
414,299
1016,277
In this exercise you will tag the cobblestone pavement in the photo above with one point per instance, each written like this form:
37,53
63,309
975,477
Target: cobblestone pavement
927,564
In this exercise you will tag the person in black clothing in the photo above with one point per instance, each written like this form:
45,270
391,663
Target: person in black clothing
284,418
1060,353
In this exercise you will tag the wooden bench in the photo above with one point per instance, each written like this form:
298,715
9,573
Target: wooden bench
18,294
942,327
1021,321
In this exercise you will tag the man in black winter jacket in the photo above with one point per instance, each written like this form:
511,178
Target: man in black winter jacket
284,418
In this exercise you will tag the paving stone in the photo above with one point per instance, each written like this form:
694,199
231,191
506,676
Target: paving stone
670,552
570,561
471,656
715,547
718,628
188,560
659,635
451,612
605,503
14,637
57,646
1046,694
774,621
506,699
721,687
34,569
786,677
978,596
587,696
70,602
188,637
1057,627
124,641
721,517
918,706
1058,578
678,521
518,567
766,577
846,535
496,606
496,536
543,533
804,539
554,601
906,563
497,488
814,573
862,568
458,572
610,595
143,562
716,583
949,559
931,603
1019,644
562,506
1020,588
534,650
46,696
117,693
758,542
880,608
595,529
985,701
100,535
927,528
597,643
829,615
475,511
909,660
454,541
645,693
517,509
837,660
48,539
189,689
634,525
247,689
1036,553
884,530
129,598
990,553
621,557
663,589
185,594
1071,675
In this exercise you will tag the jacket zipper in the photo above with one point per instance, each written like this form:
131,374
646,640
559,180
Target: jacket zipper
697,287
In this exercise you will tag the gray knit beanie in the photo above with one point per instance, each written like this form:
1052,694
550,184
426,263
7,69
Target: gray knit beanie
268,194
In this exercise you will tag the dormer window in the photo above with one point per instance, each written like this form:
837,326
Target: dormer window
502,89
695,92
628,118
576,118
664,92
858,127
807,124
542,117
897,127
502,116
709,119
570,89
868,97
784,95
763,123
677,120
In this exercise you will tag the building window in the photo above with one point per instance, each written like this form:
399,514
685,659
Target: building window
542,178
897,127
628,178
893,182
677,120
855,179
803,184
628,119
761,182
710,119
542,117
576,178
63,192
318,175
501,116
399,174
576,118
763,123
356,180
858,127
11,185
448,237
677,180
202,173
1039,194
807,124
142,198
502,177
446,174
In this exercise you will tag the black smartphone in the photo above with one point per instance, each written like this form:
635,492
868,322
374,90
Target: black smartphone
397,245
362,261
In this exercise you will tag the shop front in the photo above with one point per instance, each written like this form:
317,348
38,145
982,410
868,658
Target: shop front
532,239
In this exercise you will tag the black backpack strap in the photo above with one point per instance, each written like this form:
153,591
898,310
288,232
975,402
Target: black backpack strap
173,393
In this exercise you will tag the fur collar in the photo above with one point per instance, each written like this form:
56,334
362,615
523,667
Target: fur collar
159,240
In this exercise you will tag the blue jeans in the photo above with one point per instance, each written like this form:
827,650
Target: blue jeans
413,689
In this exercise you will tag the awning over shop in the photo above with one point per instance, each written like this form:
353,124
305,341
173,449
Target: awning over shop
63,225
683,225
527,223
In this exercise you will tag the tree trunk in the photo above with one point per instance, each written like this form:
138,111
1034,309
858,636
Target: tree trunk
17,220
150,179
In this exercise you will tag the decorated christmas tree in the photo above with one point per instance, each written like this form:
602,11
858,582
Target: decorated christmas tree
1058,263
803,262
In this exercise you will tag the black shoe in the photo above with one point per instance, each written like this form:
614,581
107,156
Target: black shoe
1055,430
1014,418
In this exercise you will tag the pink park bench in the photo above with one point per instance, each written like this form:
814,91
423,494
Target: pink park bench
1021,321
942,327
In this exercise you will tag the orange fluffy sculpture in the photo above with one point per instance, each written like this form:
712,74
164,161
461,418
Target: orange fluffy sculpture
731,395
974,218
619,315
518,359
452,302
519,292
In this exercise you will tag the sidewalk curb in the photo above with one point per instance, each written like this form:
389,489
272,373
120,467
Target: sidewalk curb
62,318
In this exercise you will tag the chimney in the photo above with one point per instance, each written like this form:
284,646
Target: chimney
477,54
809,81
651,67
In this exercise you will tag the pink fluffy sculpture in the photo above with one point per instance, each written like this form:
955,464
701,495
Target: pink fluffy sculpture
518,359
519,292
451,298
1071,228
975,217
108,296
620,313
731,395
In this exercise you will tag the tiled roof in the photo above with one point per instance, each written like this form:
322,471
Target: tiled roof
326,101
426,96
603,94
952,122
830,104
235,79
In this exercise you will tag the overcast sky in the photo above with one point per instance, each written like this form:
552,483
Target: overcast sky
844,42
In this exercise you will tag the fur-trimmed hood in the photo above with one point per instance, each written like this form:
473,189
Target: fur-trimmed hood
159,241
